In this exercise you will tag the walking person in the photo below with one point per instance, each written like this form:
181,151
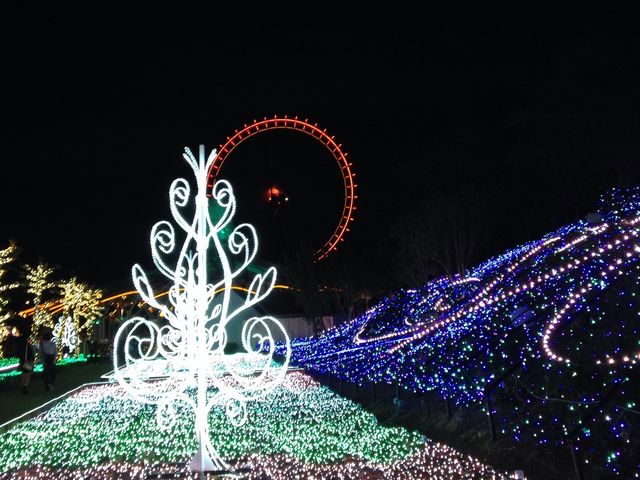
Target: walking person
24,352
48,352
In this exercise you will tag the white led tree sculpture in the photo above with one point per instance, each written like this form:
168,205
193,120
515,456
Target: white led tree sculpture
190,338
65,335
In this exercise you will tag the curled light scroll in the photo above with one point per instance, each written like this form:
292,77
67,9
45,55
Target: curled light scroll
180,358
64,333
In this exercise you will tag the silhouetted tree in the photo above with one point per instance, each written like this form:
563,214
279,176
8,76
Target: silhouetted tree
353,279
311,291
442,236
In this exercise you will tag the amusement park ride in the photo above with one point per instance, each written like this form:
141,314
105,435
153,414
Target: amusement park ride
274,194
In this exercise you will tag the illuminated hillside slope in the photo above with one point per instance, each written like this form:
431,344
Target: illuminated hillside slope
549,328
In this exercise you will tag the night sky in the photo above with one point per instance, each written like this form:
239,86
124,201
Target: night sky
539,122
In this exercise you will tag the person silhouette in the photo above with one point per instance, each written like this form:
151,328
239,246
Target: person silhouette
25,354
48,352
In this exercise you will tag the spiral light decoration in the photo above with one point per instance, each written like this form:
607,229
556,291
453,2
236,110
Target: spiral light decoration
190,338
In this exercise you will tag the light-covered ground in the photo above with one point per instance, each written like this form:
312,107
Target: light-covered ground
301,430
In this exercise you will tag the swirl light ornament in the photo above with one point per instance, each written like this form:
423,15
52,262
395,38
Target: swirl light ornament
69,337
189,339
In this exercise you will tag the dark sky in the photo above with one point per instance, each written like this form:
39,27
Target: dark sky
540,122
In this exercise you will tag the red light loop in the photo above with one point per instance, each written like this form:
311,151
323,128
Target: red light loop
320,135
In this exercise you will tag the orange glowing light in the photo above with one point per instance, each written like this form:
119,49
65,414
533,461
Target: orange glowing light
54,307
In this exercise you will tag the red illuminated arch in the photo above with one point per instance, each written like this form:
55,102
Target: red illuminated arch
320,135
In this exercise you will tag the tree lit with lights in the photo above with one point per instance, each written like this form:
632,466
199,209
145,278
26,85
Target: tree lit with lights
81,304
7,256
38,283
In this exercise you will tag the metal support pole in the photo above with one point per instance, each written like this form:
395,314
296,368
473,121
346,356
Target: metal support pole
575,456
492,426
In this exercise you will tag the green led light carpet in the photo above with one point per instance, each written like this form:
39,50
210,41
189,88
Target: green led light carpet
301,430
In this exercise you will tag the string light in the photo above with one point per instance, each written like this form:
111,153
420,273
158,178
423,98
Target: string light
80,307
7,255
38,283
300,430
9,366
574,290
190,342
65,334
335,148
